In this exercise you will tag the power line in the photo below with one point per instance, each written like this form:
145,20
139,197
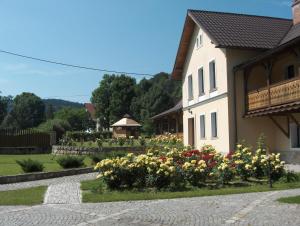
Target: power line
73,65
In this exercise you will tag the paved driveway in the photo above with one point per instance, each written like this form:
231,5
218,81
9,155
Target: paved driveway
243,209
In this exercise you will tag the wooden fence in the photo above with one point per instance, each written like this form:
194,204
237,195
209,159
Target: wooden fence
24,138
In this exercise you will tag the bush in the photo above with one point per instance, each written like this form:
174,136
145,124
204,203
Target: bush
84,136
121,141
243,161
29,165
69,161
107,155
172,168
142,141
99,143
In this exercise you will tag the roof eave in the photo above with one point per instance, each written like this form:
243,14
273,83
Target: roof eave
266,54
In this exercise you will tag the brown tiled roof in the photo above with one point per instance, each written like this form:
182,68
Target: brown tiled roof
230,30
176,108
91,109
244,31
293,33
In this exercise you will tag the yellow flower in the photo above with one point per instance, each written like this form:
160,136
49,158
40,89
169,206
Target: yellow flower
193,161
99,175
247,166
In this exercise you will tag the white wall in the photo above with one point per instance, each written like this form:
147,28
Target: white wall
212,101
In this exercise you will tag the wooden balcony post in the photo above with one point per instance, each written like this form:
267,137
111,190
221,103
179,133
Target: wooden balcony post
269,66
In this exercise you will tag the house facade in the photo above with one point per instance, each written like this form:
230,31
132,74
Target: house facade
235,69
90,108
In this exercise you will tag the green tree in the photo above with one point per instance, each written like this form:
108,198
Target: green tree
78,118
154,96
4,101
113,98
28,110
49,112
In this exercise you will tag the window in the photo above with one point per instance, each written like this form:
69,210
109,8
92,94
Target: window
214,126
190,87
212,75
199,40
201,81
295,136
290,72
202,126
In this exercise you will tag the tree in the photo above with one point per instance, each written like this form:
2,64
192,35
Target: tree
4,101
49,112
113,98
28,110
78,118
154,96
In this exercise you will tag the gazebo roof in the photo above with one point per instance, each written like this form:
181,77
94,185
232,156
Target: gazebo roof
126,121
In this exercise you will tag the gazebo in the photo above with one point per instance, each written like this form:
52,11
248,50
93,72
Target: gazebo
126,127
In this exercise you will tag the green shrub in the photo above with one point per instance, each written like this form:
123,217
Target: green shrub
83,136
121,141
29,165
107,155
142,141
69,161
290,177
99,143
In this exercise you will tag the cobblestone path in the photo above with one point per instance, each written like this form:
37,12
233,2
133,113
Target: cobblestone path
242,209
65,193
47,182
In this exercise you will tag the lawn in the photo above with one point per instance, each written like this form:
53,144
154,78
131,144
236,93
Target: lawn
290,200
8,165
29,196
94,191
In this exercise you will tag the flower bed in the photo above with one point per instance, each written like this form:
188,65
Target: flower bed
176,168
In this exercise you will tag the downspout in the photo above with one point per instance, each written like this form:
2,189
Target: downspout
235,109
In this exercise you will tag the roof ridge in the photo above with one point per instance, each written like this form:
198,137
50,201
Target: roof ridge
281,40
238,14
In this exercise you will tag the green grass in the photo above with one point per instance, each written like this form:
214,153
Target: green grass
8,165
29,196
92,194
290,200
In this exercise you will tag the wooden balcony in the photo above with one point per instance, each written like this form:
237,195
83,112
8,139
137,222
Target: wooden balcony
275,95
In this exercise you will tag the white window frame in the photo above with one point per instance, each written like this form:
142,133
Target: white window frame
203,78
217,127
216,72
205,125
190,86
199,37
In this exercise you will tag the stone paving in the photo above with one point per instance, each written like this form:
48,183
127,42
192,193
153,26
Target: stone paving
60,180
242,209
65,193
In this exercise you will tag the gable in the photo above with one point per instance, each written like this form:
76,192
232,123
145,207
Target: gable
228,30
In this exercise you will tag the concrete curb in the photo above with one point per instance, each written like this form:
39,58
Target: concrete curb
43,175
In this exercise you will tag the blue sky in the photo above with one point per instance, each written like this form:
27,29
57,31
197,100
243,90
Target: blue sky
125,35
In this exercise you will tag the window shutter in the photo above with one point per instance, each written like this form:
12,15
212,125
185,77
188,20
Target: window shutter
202,126
214,129
212,75
201,81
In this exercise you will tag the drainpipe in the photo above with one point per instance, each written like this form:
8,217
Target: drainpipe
234,106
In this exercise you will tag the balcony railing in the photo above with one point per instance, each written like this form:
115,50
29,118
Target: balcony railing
277,94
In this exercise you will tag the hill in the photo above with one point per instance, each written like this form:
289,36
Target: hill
58,103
